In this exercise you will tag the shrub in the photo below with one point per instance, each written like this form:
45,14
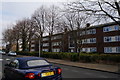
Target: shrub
83,57
27,53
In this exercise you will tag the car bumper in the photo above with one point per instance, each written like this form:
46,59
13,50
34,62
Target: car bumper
52,78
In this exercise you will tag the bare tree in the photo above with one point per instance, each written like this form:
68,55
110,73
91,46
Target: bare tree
16,34
100,11
38,19
8,38
25,28
75,21
52,20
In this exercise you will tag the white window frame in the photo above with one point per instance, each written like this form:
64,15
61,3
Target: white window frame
111,28
112,38
89,49
112,49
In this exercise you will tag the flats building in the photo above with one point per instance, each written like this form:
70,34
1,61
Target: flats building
104,38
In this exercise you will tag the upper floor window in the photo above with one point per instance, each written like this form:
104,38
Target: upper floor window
111,28
45,39
107,39
56,43
111,38
90,40
71,43
90,31
33,45
45,44
56,37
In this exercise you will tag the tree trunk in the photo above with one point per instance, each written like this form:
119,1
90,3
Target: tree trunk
50,43
17,46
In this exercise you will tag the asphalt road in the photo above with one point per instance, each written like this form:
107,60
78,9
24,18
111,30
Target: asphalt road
69,72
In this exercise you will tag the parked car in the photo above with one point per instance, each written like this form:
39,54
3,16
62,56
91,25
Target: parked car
12,53
31,68
2,52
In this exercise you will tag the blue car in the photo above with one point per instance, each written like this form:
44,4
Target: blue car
31,68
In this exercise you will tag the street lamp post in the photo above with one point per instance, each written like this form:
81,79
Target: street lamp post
39,47
39,42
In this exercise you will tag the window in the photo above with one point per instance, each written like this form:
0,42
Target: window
90,40
116,27
45,39
56,43
71,44
117,38
71,50
33,41
107,39
45,44
118,49
111,28
46,50
106,29
32,49
56,50
56,37
91,49
111,38
33,63
91,31
32,45
93,40
111,49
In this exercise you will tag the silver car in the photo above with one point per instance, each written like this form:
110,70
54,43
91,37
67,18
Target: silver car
12,53
2,52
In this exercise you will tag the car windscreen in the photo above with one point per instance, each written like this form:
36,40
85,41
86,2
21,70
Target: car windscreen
33,63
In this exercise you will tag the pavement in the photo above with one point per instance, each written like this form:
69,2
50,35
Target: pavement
94,66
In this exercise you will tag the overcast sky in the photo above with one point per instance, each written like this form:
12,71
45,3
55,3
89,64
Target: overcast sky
12,10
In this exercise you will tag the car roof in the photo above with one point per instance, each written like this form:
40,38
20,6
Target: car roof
23,61
28,58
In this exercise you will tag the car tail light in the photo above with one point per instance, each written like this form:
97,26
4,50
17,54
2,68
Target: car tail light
59,71
30,75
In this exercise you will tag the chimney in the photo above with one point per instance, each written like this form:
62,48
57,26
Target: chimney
88,25
65,29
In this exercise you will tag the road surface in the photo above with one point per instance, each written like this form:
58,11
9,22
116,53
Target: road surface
69,72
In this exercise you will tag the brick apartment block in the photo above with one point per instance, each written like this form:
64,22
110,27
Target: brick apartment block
104,38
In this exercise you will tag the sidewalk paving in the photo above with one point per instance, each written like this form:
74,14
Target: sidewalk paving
102,67
95,66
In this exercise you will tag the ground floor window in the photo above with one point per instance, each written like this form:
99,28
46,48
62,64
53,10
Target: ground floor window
32,49
55,50
91,49
111,49
46,50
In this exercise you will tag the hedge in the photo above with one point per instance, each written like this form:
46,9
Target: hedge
82,57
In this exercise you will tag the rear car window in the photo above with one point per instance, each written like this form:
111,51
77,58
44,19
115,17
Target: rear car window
33,63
